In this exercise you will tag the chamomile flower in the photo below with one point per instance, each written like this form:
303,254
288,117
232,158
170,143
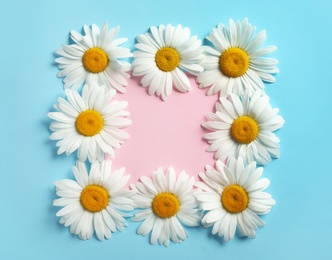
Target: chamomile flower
89,123
244,127
95,201
165,202
163,55
232,197
236,61
94,57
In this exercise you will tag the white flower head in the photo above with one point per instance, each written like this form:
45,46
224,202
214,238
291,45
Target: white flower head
232,197
165,201
89,123
94,202
163,55
244,127
236,61
94,57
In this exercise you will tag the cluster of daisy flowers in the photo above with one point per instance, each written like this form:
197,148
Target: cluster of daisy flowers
231,194
89,123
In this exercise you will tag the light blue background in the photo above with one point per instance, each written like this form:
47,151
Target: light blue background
299,226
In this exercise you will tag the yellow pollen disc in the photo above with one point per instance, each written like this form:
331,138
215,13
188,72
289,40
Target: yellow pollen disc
234,199
95,60
234,62
167,59
165,205
89,123
244,129
94,198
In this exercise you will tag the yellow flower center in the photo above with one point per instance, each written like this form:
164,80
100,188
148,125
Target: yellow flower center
234,62
234,199
95,60
165,205
94,198
244,129
89,123
167,59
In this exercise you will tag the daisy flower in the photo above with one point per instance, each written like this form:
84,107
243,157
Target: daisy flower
94,57
244,127
165,202
94,202
233,197
162,57
235,61
90,123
